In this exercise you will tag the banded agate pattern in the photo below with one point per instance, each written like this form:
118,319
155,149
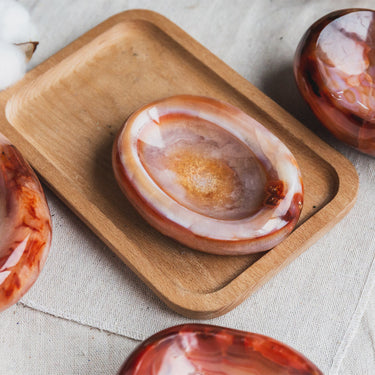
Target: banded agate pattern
208,175
25,225
335,72
199,349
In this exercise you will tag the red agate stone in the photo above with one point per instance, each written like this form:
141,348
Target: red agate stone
25,225
198,349
335,71
208,175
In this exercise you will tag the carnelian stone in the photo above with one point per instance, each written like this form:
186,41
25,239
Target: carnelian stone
25,225
334,68
204,349
208,175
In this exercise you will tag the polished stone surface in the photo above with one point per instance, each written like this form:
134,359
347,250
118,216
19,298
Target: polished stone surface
25,225
197,349
208,175
335,72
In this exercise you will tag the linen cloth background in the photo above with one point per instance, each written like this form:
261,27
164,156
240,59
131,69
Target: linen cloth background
318,304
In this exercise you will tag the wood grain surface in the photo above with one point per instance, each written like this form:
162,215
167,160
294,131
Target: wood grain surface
64,116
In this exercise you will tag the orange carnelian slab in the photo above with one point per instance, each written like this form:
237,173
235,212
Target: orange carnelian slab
205,349
25,225
335,72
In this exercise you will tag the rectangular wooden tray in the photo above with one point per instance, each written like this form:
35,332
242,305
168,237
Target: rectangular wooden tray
64,115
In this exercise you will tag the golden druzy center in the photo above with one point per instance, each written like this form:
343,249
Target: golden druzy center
208,179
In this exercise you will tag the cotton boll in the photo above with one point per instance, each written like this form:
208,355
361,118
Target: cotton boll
15,23
15,27
12,64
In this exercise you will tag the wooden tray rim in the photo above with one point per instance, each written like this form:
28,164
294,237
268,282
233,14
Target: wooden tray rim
192,304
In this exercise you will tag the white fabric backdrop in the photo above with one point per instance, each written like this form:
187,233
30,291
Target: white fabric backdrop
315,305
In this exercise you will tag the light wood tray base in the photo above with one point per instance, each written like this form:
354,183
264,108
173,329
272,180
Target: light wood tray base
64,115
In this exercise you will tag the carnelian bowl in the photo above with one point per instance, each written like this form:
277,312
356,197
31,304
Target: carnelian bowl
202,349
334,67
25,225
208,175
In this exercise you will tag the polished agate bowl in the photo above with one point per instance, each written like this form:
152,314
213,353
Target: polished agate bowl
25,225
208,175
198,349
335,72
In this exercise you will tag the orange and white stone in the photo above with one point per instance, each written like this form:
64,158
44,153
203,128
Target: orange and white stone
208,175
334,68
204,349
25,225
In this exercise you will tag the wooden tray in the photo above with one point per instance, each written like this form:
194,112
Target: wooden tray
64,115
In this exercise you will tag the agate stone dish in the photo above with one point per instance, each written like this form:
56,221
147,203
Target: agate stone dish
335,72
25,225
208,175
198,349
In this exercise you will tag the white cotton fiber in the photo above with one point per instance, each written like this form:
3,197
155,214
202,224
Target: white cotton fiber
12,64
15,23
15,27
